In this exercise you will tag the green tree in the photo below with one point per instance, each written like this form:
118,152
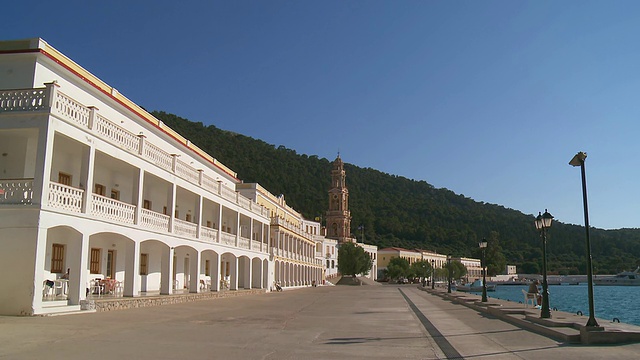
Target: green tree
495,260
398,267
353,260
421,268
458,270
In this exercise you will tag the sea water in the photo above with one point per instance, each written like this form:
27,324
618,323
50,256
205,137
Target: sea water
609,301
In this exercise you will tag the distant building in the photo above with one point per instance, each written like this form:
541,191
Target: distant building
511,270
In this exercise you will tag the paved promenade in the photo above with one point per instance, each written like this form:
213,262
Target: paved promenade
332,322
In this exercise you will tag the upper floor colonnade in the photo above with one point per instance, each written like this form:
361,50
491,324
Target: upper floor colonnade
94,167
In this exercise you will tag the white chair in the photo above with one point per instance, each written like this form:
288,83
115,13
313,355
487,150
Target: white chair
95,287
58,287
47,288
118,288
530,297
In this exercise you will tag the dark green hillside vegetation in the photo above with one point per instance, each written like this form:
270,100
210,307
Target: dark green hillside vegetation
397,211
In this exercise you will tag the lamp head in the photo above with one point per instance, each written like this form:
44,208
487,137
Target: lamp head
578,159
543,221
483,244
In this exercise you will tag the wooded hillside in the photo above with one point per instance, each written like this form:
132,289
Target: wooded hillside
397,211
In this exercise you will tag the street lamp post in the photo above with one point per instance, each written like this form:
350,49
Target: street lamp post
483,246
543,222
578,160
433,272
449,273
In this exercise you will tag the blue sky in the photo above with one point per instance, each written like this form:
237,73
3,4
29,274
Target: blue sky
490,99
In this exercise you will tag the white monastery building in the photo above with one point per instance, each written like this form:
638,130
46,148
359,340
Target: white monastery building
99,197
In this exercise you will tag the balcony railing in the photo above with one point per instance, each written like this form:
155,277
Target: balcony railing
208,234
185,228
117,134
23,100
154,221
227,239
65,197
16,191
243,242
110,209
255,245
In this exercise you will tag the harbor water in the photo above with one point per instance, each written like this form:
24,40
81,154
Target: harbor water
609,301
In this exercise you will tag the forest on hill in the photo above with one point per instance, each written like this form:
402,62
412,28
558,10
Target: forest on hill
396,211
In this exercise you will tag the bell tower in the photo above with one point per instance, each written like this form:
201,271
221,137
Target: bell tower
339,216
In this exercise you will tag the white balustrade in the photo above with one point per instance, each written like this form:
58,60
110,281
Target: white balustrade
187,172
65,197
255,245
208,234
23,100
227,239
117,134
71,110
158,156
243,242
110,209
244,202
16,191
227,193
153,220
185,228
210,183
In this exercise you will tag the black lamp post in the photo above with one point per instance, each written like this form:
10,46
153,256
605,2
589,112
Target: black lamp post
449,273
483,246
543,222
578,160
433,272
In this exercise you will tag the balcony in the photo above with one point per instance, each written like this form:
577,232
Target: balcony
70,200
51,99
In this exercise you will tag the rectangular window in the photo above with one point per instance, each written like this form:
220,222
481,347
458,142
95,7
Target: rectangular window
57,258
115,194
188,217
207,268
144,258
111,264
176,214
209,224
146,204
100,189
164,210
94,262
64,179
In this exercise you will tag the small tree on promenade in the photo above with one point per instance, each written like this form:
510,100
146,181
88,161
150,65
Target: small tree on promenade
398,267
353,260
458,270
421,269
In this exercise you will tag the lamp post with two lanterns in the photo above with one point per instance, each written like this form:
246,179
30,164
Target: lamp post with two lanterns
543,222
483,246
433,271
449,273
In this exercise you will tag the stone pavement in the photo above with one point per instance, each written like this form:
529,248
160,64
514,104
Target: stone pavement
326,322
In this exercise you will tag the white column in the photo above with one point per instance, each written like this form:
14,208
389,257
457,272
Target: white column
132,270
172,207
138,192
198,214
166,284
194,278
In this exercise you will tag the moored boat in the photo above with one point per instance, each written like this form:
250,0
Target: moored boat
625,278
475,286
